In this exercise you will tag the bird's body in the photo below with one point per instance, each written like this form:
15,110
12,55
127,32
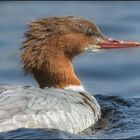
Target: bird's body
47,54
49,108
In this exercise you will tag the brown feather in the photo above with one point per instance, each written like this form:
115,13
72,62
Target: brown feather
50,45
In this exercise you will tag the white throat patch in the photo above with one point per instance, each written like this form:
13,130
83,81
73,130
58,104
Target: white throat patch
92,48
76,88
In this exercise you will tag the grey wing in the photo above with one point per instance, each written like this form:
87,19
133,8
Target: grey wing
52,108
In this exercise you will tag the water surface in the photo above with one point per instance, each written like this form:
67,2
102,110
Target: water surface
112,75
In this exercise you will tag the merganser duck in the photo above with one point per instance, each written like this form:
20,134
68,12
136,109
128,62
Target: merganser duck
47,53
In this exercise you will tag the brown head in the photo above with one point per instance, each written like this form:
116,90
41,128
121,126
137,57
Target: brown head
53,42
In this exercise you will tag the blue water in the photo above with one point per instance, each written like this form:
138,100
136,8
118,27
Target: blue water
109,74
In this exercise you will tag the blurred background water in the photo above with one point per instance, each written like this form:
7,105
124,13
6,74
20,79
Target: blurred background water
111,72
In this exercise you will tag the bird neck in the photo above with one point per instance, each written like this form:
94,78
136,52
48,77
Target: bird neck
57,72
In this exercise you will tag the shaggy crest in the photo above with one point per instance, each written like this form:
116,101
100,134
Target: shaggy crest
50,45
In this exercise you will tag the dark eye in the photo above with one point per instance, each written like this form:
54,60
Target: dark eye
89,32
